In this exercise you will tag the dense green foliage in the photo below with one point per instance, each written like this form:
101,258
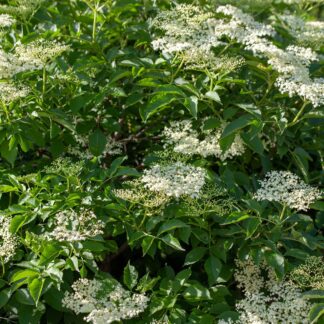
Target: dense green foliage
83,125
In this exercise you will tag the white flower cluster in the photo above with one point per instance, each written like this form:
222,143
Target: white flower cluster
184,28
187,32
26,57
8,242
288,189
175,180
299,2
29,57
310,274
37,54
241,26
6,20
10,92
139,195
9,65
186,140
23,9
71,226
291,63
113,147
65,167
193,33
197,59
305,32
212,199
267,300
105,302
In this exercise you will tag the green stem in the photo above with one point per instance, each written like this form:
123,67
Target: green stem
177,71
270,84
282,214
3,268
67,184
142,222
225,48
4,106
301,110
44,80
94,24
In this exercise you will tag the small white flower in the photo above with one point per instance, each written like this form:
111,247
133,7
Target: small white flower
105,302
268,300
288,189
186,140
6,20
175,180
8,242
10,92
71,226
37,54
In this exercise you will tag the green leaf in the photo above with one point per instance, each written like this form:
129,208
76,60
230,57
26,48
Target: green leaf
171,225
236,125
156,104
172,241
97,142
301,158
2,283
116,164
213,95
23,296
130,276
251,225
251,108
213,267
36,288
314,294
170,89
54,297
226,142
4,296
191,103
23,274
29,314
19,221
7,188
195,255
297,253
211,123
318,205
196,292
127,171
147,243
235,217
49,253
183,276
254,142
146,283
9,155
59,117
277,262
316,312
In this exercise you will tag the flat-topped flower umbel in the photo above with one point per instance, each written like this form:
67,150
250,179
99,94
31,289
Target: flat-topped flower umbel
288,189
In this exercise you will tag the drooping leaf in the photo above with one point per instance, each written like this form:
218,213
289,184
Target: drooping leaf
97,142
36,288
195,255
171,225
191,103
130,276
172,241
213,267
